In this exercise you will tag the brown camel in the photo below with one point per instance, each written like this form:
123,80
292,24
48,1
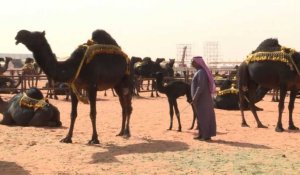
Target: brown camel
90,67
30,72
5,66
270,66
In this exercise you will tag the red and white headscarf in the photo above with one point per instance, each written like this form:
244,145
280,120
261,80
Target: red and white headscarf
211,83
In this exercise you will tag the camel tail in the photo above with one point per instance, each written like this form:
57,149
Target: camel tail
243,77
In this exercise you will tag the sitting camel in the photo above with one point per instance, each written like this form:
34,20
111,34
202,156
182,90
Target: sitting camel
173,90
228,97
29,109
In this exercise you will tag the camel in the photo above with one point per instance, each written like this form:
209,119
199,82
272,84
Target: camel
30,72
90,67
173,90
5,66
137,79
227,97
29,109
147,68
7,83
270,66
57,88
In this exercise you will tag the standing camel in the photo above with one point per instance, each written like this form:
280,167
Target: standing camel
7,84
270,66
5,66
90,67
173,90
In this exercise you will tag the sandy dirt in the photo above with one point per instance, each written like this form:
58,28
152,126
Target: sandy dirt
152,149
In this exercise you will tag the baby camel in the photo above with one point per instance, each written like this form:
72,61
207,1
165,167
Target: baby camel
173,90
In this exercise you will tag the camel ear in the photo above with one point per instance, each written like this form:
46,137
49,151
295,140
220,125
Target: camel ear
44,33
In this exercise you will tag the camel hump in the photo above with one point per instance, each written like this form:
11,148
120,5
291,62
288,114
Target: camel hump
268,45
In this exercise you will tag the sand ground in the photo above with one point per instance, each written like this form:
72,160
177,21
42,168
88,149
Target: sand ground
152,149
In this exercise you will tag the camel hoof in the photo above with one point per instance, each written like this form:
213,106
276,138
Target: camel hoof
127,136
293,127
93,142
120,134
66,140
245,125
279,129
261,126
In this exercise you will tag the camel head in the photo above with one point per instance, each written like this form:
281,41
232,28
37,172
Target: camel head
8,59
32,40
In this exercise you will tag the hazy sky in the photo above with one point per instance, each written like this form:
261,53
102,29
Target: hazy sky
154,27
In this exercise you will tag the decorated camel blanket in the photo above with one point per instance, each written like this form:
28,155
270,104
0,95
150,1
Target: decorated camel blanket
32,103
284,55
91,51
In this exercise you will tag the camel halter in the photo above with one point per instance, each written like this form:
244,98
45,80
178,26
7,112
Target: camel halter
91,50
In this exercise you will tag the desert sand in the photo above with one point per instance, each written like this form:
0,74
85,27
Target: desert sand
152,149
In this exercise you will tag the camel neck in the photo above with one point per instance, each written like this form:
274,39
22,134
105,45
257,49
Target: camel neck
58,71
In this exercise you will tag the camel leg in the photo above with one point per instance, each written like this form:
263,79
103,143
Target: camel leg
194,117
125,97
121,100
242,107
177,114
283,92
7,119
92,97
171,113
291,109
128,108
254,94
74,101
152,88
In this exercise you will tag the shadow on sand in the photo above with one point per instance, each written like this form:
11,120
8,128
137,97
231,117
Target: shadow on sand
240,144
11,168
153,146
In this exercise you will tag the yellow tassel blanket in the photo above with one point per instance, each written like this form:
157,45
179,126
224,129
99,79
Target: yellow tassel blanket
91,51
284,56
32,103
231,90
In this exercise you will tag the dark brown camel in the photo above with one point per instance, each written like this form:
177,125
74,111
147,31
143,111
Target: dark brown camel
29,109
8,84
30,73
107,68
270,66
173,90
5,66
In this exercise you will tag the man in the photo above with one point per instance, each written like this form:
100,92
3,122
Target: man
202,89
